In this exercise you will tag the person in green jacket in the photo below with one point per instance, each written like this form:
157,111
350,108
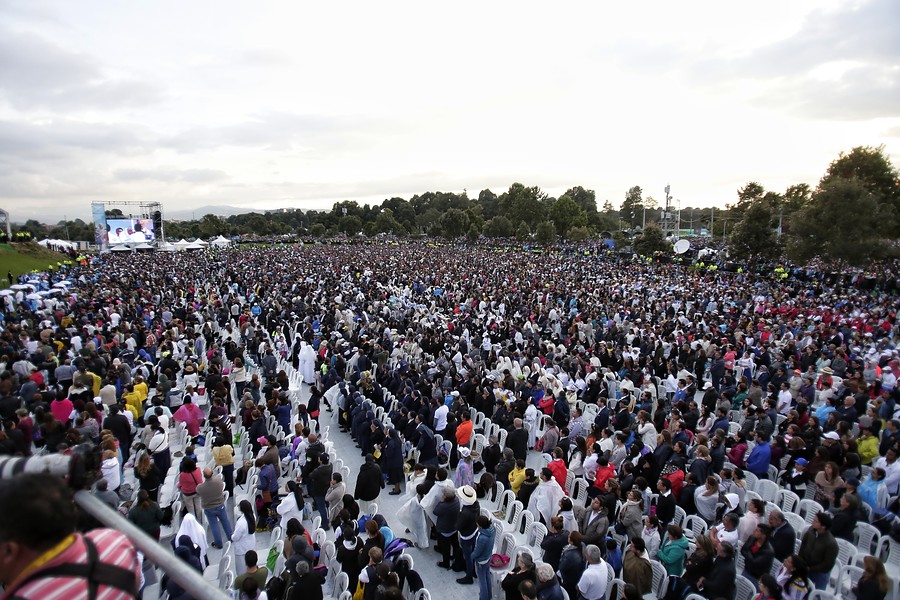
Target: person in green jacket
146,515
673,550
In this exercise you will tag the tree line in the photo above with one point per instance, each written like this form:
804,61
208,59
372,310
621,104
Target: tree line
852,216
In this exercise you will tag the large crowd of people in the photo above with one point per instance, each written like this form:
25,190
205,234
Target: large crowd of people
668,430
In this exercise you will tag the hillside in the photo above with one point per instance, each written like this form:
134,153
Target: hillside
24,257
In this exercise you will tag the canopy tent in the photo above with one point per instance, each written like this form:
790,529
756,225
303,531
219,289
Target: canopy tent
144,246
221,241
120,249
193,246
182,244
201,242
58,243
167,247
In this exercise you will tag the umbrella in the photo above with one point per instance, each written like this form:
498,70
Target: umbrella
22,286
62,284
6,292
34,296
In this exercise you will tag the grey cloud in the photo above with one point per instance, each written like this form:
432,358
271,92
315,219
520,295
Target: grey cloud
861,35
37,73
862,93
170,175
280,131
63,139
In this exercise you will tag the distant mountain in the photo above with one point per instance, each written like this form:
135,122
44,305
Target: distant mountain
197,213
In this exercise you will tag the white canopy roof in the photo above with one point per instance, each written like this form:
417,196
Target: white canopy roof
221,241
144,246
120,249
194,246
66,244
201,242
182,243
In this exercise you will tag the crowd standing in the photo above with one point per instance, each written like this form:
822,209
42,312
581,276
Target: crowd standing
686,430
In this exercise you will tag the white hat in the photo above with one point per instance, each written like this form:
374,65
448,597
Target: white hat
707,385
832,435
467,495
464,452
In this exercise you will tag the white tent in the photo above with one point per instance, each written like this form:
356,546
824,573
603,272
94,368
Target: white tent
167,247
182,244
221,241
58,243
120,249
201,242
193,246
144,246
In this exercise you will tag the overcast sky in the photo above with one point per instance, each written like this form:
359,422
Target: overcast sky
301,104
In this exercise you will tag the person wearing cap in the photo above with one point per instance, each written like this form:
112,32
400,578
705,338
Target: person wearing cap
464,474
467,530
832,443
797,478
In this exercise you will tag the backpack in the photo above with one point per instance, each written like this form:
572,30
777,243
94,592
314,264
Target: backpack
396,547
95,572
276,587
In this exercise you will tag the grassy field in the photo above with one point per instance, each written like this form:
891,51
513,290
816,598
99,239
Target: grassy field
25,257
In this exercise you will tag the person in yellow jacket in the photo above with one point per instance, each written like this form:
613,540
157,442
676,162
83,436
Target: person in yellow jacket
141,388
867,446
517,476
133,402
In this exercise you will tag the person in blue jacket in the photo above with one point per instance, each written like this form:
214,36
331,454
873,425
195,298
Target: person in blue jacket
760,458
481,556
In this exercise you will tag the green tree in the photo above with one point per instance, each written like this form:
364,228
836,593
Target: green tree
838,224
632,207
212,226
585,199
875,172
651,240
386,223
565,214
454,223
522,204
474,233
523,233
350,225
754,235
546,233
403,212
317,230
428,222
579,234
499,227
369,229
489,204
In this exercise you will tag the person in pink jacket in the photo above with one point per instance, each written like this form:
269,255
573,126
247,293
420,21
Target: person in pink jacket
191,415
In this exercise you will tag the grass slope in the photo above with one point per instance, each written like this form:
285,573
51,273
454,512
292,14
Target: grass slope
25,257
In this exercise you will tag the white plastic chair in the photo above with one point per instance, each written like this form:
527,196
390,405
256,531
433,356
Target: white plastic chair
744,590
767,490
787,500
867,537
808,509
847,577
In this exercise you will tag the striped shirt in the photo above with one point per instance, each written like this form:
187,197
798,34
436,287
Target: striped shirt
113,548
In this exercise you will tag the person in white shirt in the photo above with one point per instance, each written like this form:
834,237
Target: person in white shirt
440,418
891,467
784,399
592,585
726,531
